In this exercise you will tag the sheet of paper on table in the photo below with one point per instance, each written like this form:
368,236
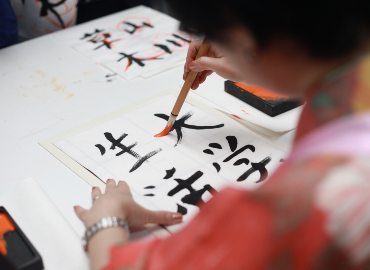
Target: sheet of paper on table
45,226
132,42
213,89
203,154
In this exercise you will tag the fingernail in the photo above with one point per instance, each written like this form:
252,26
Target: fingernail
192,65
176,216
75,207
93,188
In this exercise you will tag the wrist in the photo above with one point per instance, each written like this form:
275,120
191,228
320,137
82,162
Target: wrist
96,217
104,224
107,238
100,244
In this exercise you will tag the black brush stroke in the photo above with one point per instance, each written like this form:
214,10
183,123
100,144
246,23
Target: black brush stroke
179,124
260,166
233,142
144,158
217,166
101,148
215,145
181,209
208,151
170,173
248,146
241,161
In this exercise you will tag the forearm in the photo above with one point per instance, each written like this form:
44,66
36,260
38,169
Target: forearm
100,243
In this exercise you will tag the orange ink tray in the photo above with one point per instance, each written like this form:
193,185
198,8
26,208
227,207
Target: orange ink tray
262,99
16,251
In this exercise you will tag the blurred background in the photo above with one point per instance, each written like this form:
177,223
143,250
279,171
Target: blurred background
92,9
22,20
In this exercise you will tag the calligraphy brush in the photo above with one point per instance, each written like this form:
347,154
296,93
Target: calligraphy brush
184,91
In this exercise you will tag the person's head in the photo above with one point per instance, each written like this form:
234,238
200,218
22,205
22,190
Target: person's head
322,31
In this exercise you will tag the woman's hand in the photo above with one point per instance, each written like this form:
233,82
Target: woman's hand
117,201
214,61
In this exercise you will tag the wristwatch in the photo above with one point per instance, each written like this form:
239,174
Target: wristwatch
104,223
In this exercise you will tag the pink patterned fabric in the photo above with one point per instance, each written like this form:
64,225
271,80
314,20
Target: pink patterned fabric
313,212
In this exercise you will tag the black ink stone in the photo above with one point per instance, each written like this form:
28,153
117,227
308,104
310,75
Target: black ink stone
269,107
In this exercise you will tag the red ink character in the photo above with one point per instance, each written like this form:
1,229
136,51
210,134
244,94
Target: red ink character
133,25
86,35
104,39
131,59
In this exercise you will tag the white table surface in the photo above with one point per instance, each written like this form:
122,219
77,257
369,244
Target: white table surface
47,88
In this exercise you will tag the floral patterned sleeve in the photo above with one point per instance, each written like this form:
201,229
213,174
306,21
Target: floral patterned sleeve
212,240
300,219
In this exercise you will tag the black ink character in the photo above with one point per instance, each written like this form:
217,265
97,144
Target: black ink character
163,47
195,196
182,38
45,6
233,144
126,149
173,42
136,27
86,35
170,173
138,61
260,166
179,124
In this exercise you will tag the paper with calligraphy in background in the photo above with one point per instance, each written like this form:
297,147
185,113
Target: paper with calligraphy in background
131,43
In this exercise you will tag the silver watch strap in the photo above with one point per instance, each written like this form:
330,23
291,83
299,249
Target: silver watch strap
104,223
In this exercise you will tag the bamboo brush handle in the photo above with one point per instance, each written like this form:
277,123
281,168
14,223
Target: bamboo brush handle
189,80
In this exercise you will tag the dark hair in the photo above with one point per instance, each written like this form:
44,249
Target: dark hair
325,28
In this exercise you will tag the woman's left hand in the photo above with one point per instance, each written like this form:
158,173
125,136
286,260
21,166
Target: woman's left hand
117,201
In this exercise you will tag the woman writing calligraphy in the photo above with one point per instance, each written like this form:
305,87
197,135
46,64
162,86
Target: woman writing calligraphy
313,213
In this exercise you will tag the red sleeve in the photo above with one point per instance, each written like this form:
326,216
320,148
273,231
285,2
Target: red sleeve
130,256
229,232
277,226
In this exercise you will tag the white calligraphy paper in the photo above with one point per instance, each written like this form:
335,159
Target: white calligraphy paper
202,155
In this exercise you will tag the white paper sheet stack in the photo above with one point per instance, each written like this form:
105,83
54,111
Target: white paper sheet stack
136,42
